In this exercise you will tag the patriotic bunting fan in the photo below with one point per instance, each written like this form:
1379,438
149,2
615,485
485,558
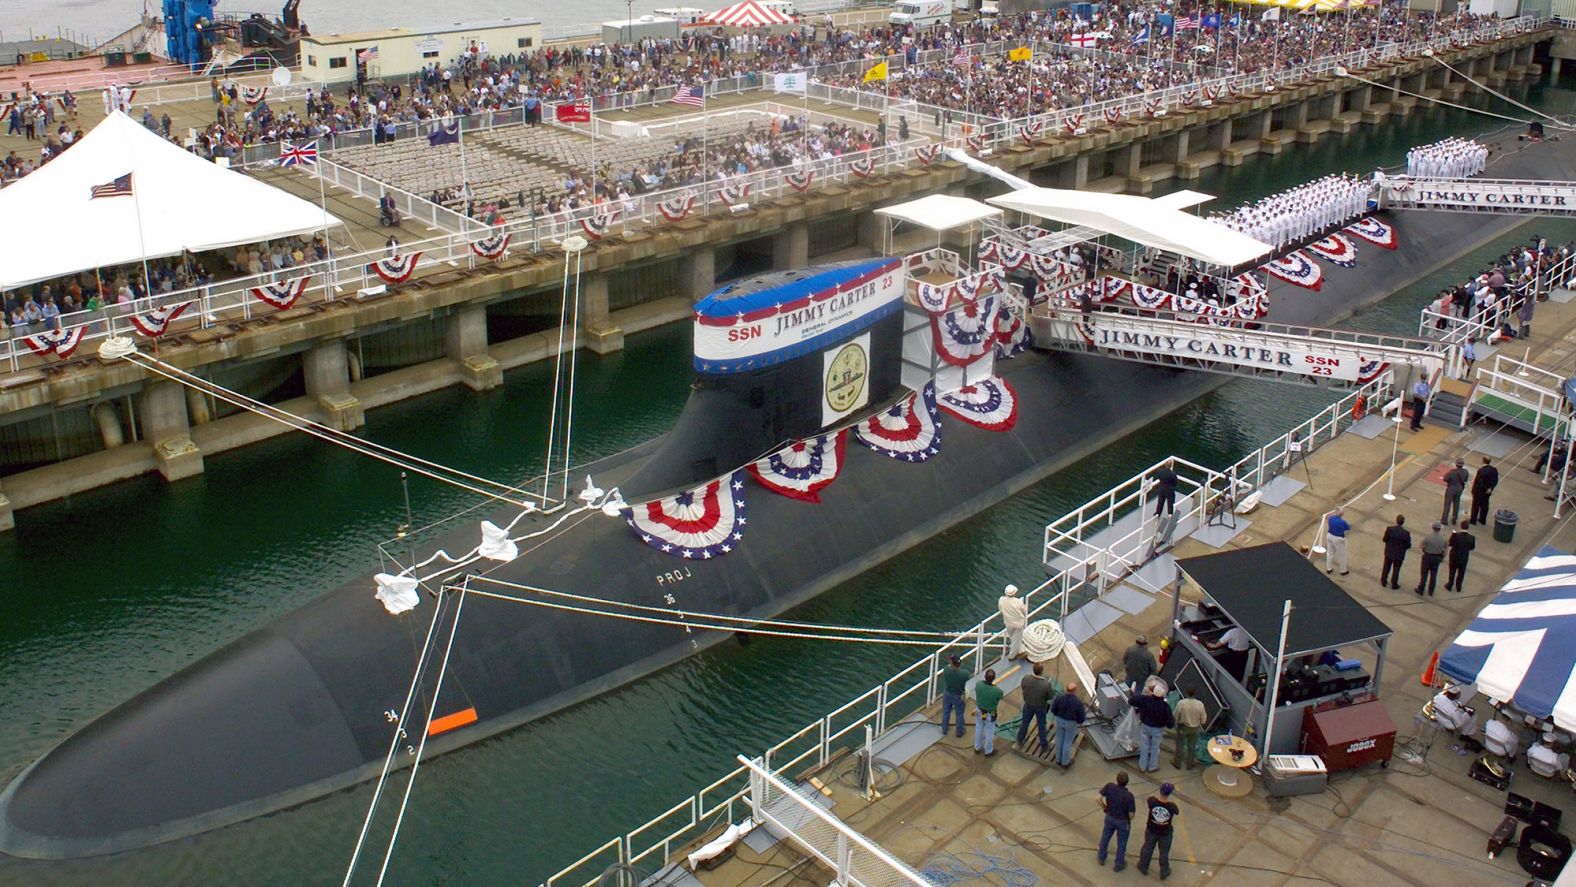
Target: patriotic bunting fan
909,429
1297,268
155,321
1374,231
491,248
1370,370
1155,108
804,468
1030,131
1074,124
990,403
1113,116
674,209
976,143
1336,248
1012,334
800,181
396,269
927,154
61,342
253,94
697,524
965,333
863,168
597,226
281,295
733,195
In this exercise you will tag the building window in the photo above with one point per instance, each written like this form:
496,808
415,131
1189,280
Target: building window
311,61
336,63
524,42
430,55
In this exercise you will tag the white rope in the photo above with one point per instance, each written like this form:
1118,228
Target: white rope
718,617
558,369
690,624
399,731
474,554
1497,94
1399,90
437,690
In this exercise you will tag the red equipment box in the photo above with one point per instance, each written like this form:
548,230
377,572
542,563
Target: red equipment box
1350,736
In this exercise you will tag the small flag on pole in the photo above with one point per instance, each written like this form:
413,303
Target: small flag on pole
120,187
1020,54
291,154
694,96
961,59
879,72
444,134
1187,23
1141,37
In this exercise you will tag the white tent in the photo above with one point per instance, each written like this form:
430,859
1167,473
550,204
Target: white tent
178,202
1141,220
940,212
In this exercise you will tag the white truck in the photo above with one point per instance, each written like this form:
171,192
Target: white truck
921,13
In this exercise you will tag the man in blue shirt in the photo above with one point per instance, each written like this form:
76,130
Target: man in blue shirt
1067,712
1420,393
1119,806
1335,542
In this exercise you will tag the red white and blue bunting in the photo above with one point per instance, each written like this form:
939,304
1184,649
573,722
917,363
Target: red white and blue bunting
674,209
927,154
253,94
965,333
395,269
1371,370
1004,254
1113,116
1012,333
61,343
976,143
733,195
281,295
1296,267
1154,108
909,429
155,321
1336,248
990,403
1373,231
491,248
802,469
598,226
800,181
1074,124
697,524
863,168
1030,131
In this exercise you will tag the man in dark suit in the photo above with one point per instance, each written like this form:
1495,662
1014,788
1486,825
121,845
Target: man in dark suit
1455,482
1483,484
1461,544
1396,542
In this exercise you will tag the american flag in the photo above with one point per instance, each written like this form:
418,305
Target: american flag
120,187
367,55
961,59
298,155
693,96
1188,23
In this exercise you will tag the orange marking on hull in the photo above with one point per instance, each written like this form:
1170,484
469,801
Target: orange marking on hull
451,722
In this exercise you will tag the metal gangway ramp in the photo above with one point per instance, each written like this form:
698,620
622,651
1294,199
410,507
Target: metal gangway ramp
1297,354
1521,395
1475,195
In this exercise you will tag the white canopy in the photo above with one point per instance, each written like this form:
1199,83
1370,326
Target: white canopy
182,202
940,212
747,14
1141,220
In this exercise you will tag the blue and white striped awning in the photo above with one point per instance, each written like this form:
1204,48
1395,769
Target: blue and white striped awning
1521,648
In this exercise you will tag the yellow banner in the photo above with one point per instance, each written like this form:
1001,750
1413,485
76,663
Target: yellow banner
1021,54
879,72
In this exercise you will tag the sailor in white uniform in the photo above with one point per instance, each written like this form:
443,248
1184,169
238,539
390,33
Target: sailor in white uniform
1545,760
1448,710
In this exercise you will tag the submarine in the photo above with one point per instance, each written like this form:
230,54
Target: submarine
814,445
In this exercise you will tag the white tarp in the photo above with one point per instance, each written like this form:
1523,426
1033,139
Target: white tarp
1140,220
940,212
181,201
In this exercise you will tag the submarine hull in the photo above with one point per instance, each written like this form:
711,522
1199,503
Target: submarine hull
302,707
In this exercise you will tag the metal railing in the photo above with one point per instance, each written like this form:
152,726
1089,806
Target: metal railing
1525,385
1477,326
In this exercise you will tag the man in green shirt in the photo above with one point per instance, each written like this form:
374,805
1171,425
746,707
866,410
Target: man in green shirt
986,696
954,681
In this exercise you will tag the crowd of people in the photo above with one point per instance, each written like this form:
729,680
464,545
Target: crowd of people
1507,286
1299,213
1450,158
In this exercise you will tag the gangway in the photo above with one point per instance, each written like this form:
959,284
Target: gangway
1298,354
1475,195
1518,394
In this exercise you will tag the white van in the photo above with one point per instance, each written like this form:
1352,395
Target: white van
921,13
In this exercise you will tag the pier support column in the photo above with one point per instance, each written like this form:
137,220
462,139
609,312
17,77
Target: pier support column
698,272
165,427
327,371
465,341
791,247
1297,115
602,336
7,515
1363,97
1075,175
1555,64
870,228
1222,136
1182,148
1128,161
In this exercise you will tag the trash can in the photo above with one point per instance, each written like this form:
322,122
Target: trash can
1505,525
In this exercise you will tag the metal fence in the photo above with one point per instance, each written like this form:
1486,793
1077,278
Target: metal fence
1477,326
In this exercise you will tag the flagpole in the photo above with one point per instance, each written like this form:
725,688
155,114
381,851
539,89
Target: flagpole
465,176
328,242
147,281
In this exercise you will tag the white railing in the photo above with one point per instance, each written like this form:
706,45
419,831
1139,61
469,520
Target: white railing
916,686
1523,385
1477,326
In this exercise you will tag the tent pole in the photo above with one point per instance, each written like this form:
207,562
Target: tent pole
1280,657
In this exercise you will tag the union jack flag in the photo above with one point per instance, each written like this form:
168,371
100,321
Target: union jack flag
694,96
298,155
120,187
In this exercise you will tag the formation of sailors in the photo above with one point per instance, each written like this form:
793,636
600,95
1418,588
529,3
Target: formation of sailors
1450,158
1295,215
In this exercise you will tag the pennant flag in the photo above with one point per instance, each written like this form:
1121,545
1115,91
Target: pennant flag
990,404
800,181
674,209
1336,248
863,168
281,295
491,248
291,154
1374,231
253,94
445,133
573,112
697,524
927,154
597,226
909,429
1020,54
804,468
877,72
396,269
965,333
1297,268
733,195
694,96
61,342
155,321
120,187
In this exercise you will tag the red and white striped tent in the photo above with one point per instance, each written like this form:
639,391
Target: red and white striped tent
748,14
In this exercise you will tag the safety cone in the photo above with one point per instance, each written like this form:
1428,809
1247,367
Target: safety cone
1433,666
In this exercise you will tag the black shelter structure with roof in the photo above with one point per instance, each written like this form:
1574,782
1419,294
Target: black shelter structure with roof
1334,646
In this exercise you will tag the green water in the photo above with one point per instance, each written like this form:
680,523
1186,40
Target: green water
115,589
